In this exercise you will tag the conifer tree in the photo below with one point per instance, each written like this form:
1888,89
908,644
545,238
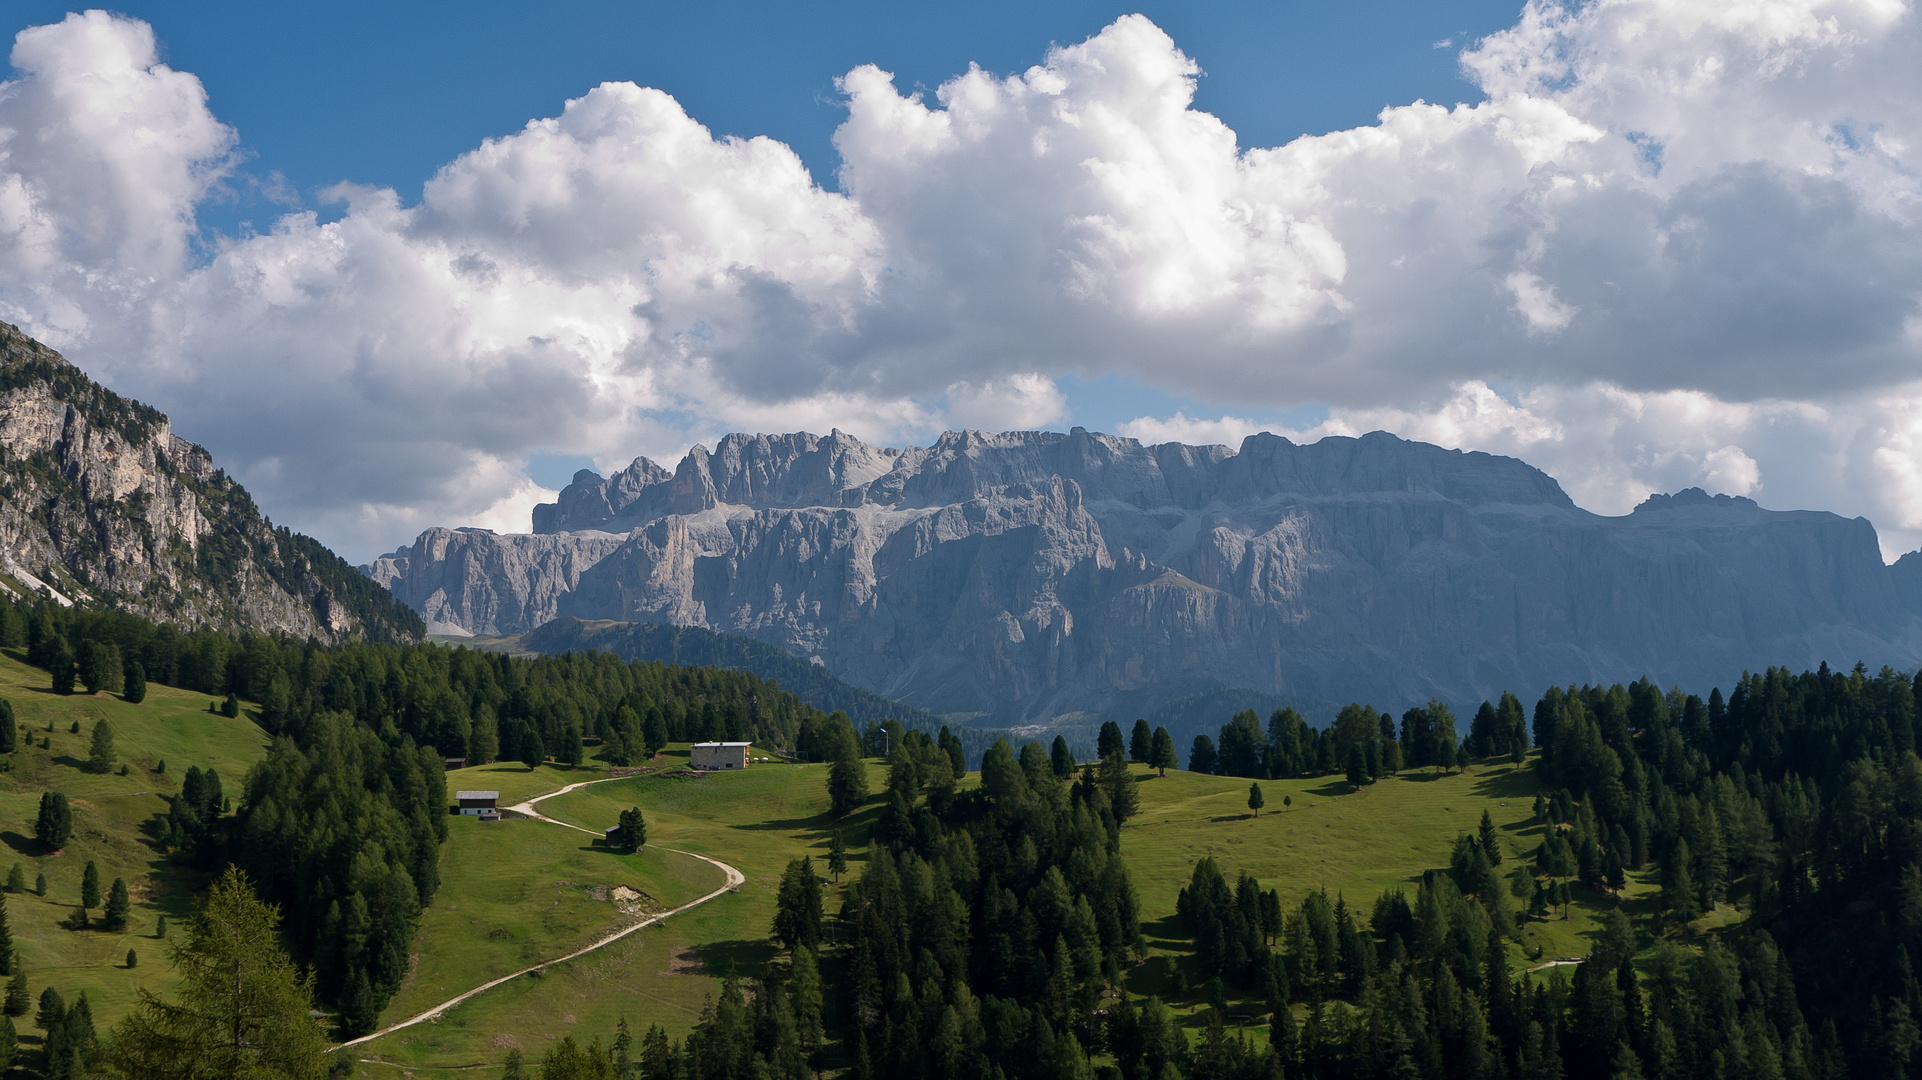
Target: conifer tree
54,825
837,855
1120,785
93,666
230,708
16,880
1490,840
118,906
19,999
1679,896
1255,800
133,959
90,886
134,683
60,667
847,776
1357,767
9,728
1201,757
241,1007
1141,743
1061,759
53,1009
100,756
1109,740
1162,752
532,752
633,829
9,1043
8,960
40,884
797,906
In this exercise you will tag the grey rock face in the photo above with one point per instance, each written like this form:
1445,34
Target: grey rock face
101,501
1034,576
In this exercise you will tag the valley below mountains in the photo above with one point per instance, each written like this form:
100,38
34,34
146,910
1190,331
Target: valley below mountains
1040,578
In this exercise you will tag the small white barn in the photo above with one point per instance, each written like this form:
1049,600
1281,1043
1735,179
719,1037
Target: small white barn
719,755
478,803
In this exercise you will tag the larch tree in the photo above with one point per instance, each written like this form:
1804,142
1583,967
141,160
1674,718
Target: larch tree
241,1007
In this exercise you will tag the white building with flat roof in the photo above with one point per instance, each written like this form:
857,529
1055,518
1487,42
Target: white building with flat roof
719,755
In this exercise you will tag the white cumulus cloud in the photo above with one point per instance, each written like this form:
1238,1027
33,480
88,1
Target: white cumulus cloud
1683,237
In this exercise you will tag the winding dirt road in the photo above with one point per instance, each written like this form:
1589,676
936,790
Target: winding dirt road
526,809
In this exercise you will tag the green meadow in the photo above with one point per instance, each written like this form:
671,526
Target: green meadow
755,821
170,726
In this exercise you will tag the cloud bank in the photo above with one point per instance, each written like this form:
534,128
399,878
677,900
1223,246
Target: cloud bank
1681,239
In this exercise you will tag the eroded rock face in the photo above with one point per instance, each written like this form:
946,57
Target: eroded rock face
1034,576
100,500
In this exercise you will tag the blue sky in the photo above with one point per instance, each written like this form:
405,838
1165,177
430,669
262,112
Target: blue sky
402,265
387,93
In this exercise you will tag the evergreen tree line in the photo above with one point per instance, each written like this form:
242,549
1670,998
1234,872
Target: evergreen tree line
1361,742
1798,797
463,702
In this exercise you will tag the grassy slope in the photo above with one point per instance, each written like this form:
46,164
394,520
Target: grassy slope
755,820
171,725
1353,844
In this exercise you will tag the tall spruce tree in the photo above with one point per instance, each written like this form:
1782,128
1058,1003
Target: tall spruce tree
1141,742
54,825
19,998
134,684
1162,752
100,754
9,728
847,775
119,905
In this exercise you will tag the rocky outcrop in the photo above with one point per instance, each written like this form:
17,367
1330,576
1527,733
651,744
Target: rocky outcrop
100,502
1036,577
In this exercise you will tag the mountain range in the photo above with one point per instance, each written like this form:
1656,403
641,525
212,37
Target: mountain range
1031,578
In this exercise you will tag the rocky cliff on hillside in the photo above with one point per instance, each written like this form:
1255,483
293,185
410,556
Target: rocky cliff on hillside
1037,577
100,502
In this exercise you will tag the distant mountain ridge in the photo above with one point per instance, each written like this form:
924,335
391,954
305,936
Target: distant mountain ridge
1059,579
100,502
692,646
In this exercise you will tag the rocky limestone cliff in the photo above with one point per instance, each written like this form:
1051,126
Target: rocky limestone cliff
1037,577
100,502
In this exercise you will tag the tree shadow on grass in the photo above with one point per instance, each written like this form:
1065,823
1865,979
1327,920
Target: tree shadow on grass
820,821
744,957
25,845
1165,932
1334,789
1512,783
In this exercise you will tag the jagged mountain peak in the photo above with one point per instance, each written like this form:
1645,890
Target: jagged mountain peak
802,469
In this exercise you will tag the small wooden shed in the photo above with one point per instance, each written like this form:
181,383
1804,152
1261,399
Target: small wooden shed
477,803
